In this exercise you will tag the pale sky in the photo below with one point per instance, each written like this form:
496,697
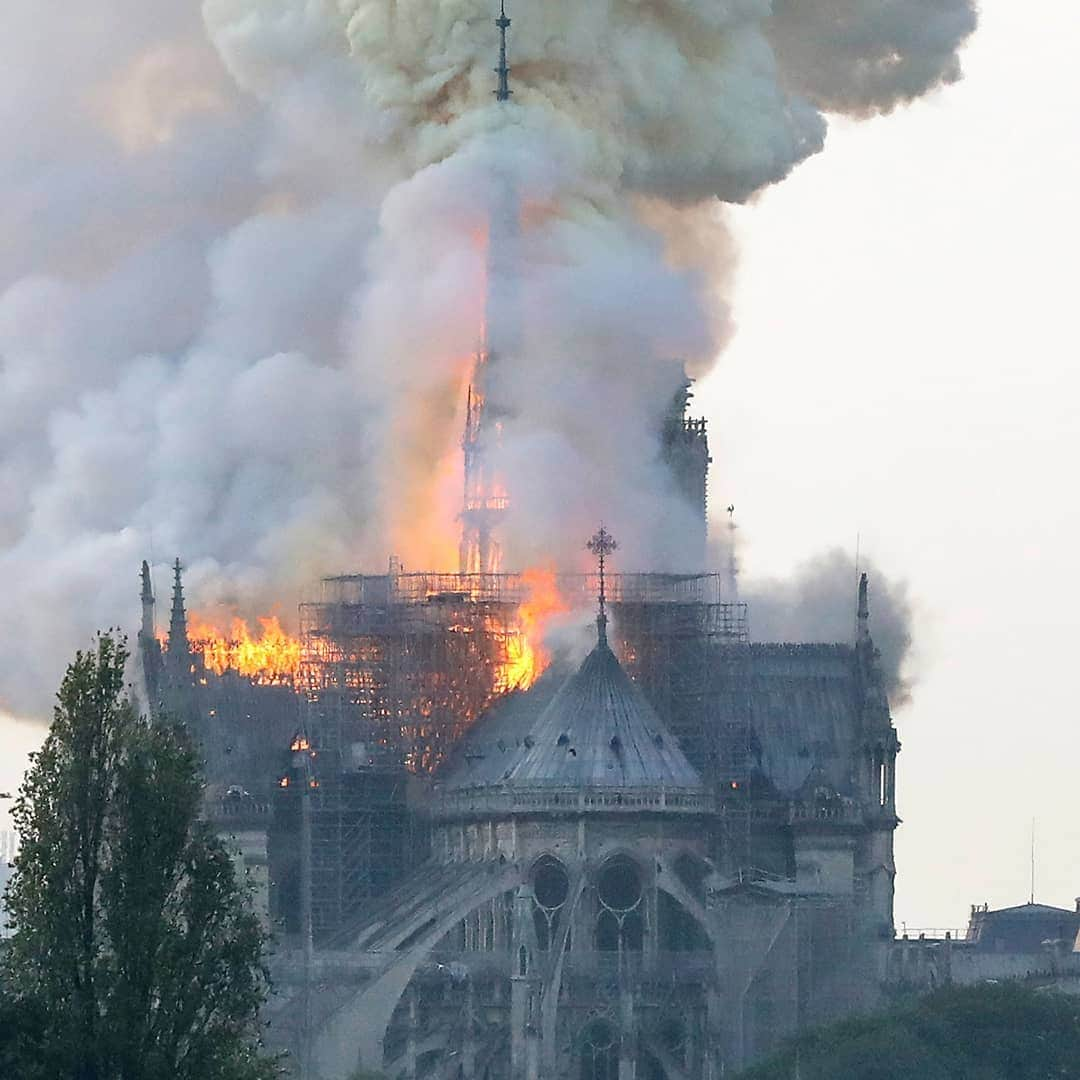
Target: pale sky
905,372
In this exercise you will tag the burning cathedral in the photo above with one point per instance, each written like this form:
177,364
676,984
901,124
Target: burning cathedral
654,857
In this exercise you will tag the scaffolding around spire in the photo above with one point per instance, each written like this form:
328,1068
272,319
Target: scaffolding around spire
503,91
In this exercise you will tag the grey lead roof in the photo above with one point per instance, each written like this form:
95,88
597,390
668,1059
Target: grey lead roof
801,702
495,742
599,731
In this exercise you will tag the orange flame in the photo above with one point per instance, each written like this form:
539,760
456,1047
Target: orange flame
272,657
526,657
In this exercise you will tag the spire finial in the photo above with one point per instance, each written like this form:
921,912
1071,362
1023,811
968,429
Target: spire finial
602,544
503,91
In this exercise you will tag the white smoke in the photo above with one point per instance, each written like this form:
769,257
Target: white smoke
243,272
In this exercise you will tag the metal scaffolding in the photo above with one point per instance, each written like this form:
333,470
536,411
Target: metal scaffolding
397,678
402,664
363,839
396,668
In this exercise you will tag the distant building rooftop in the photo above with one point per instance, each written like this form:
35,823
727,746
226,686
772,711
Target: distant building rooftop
1026,928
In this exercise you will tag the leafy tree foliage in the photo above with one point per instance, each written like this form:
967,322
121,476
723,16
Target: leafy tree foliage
22,1029
1005,1031
135,955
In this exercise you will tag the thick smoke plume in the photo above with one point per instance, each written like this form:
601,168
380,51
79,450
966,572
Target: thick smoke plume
245,257
818,604
862,58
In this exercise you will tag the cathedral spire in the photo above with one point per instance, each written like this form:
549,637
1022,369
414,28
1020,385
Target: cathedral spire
602,544
178,637
503,91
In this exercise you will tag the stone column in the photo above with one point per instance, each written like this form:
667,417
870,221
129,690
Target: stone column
524,991
409,1072
468,1041
713,1051
627,1031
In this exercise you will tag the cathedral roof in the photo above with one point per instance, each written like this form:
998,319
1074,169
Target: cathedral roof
590,743
492,746
802,704
599,731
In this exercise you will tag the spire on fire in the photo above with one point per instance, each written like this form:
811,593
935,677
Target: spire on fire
602,544
485,501
503,92
178,637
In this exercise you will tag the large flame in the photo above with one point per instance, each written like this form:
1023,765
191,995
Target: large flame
526,656
271,657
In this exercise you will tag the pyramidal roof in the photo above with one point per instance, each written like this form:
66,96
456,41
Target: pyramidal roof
599,731
494,744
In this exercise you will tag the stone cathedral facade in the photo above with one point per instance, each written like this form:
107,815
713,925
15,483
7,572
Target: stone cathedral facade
597,905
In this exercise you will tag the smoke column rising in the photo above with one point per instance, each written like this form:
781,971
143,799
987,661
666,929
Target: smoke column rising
244,272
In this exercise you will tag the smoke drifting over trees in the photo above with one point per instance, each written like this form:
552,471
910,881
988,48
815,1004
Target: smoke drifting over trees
245,259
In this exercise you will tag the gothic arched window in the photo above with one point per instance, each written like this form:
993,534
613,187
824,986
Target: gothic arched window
619,923
599,1052
551,886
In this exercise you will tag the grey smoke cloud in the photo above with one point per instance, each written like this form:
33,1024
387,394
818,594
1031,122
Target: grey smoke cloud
818,603
242,278
855,57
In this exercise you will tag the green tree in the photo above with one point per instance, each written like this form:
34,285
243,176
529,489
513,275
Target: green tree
135,948
1005,1031
21,1033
